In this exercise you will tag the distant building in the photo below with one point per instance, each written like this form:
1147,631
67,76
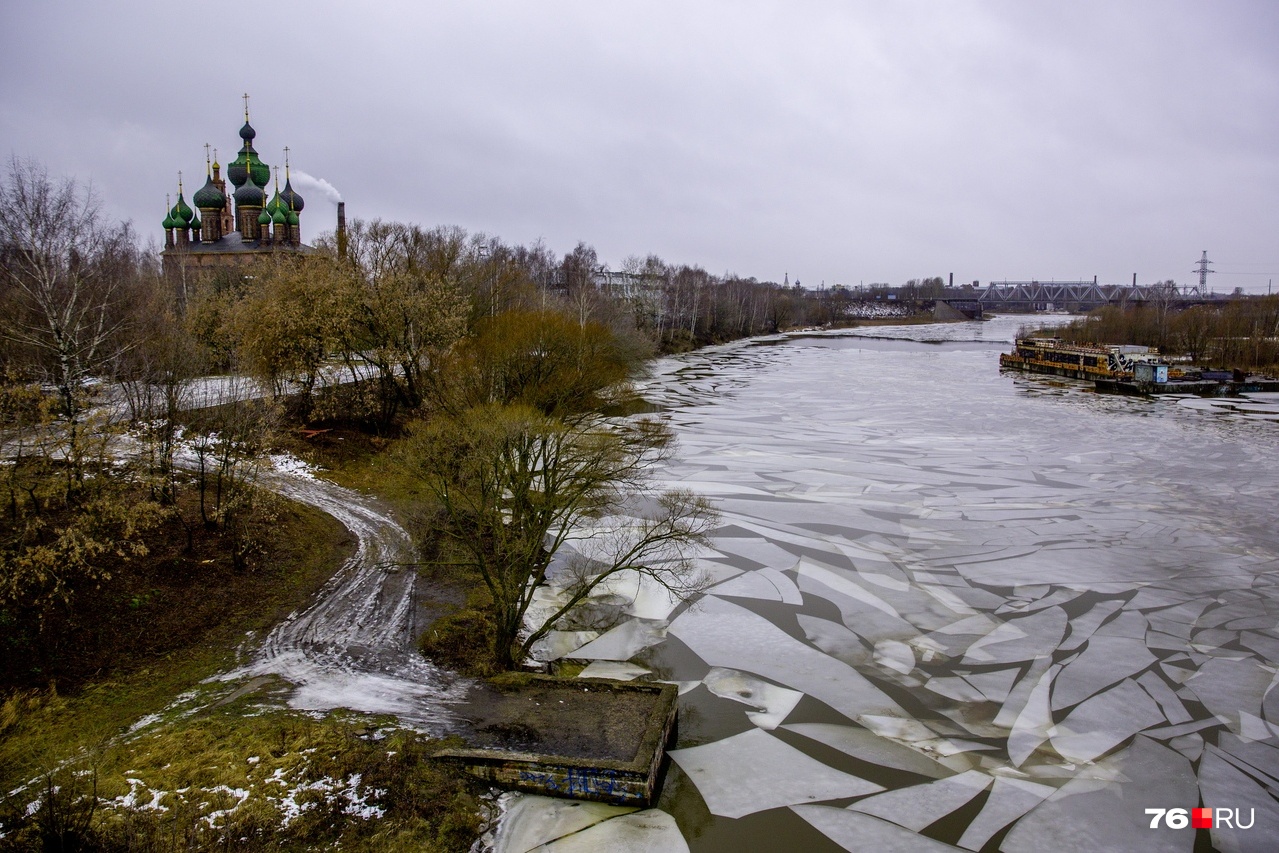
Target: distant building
226,230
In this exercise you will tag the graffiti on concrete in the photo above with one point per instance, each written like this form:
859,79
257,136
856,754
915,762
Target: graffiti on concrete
579,782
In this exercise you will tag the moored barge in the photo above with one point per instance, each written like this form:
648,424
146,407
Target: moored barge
1128,369
1077,361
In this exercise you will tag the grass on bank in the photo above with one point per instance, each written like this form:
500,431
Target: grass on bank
239,774
191,616
238,777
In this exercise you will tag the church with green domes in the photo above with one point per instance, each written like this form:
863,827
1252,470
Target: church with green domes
227,229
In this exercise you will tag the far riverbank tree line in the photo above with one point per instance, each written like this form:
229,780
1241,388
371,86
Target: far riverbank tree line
1239,333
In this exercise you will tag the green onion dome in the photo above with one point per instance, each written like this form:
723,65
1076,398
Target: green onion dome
261,171
293,217
276,204
264,218
168,221
209,196
248,161
279,217
195,222
250,194
291,198
238,168
182,211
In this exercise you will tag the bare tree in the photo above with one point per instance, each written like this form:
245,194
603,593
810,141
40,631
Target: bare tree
63,271
516,487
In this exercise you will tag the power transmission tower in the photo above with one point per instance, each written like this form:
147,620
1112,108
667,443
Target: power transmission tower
1202,269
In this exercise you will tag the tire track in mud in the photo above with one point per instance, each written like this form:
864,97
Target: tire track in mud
354,645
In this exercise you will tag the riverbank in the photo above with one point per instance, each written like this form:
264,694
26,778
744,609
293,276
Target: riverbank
162,624
169,754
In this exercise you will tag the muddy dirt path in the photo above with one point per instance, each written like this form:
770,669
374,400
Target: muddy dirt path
354,645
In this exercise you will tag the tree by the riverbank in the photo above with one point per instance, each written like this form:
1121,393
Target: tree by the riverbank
1239,333
520,492
524,471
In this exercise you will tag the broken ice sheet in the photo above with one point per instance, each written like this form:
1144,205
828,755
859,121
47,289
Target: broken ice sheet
1166,699
767,584
1009,799
1058,596
529,821
1227,687
954,687
724,634
1191,745
622,642
1222,784
772,703
1018,696
649,598
1034,723
864,618
917,806
1106,661
556,644
996,685
834,639
754,771
757,549
1255,728
648,831
1020,639
897,728
867,746
860,832
1105,721
895,655
613,669
841,583
1085,816
1259,759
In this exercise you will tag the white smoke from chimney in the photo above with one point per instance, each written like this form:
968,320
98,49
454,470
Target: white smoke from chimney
305,182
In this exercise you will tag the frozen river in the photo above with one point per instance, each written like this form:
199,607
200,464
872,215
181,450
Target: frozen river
960,608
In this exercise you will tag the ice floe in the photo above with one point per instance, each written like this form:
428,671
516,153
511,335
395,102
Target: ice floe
1224,785
765,583
622,642
859,832
917,806
529,821
724,634
1009,799
1104,721
1107,660
1084,815
771,703
614,669
755,771
870,747
1059,612
647,831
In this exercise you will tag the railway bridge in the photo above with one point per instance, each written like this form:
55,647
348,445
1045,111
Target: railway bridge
1075,296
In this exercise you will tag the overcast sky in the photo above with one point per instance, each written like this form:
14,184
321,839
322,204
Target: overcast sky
843,142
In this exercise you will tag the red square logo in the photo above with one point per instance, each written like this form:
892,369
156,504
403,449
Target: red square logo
1201,818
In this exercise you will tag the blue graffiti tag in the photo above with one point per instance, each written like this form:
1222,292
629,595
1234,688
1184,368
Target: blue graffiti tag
575,781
